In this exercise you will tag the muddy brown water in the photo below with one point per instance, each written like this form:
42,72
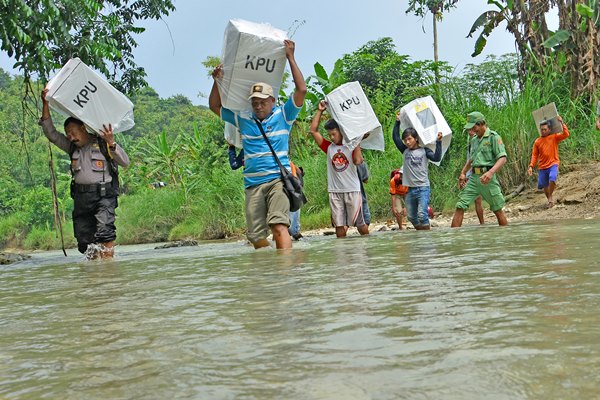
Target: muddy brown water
495,313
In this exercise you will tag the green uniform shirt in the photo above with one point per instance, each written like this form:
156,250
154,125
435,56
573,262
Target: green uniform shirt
487,150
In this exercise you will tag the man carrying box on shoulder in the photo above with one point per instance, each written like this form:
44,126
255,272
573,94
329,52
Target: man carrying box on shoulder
545,150
267,205
95,182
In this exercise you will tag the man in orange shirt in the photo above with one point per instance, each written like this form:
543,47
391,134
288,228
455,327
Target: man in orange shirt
545,150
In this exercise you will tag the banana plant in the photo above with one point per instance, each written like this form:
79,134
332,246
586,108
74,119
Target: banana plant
163,155
589,13
487,22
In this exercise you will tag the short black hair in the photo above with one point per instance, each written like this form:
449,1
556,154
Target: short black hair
72,120
410,132
545,122
331,124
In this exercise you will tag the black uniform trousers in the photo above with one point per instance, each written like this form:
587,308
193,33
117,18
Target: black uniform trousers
93,218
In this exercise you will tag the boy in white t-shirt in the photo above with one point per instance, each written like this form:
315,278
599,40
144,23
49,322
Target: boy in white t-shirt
343,183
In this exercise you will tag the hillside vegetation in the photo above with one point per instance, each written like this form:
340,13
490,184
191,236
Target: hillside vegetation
182,145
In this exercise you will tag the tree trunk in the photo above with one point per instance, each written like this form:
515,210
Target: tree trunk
596,47
435,50
435,40
527,22
583,55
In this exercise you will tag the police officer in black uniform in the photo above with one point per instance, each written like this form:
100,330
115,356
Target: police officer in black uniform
95,183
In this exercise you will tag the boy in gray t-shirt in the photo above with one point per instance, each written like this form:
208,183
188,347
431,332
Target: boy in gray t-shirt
416,173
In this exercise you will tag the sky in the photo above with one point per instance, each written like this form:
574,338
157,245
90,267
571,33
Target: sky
172,50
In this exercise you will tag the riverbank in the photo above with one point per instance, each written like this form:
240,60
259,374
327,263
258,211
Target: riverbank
9,257
577,196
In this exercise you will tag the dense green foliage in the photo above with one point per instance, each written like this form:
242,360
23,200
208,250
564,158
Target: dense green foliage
183,145
43,35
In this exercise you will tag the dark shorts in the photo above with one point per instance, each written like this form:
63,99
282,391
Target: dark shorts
545,176
93,219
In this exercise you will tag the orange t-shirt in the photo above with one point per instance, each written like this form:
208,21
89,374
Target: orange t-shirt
399,190
545,149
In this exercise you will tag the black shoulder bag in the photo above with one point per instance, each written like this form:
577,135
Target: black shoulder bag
291,184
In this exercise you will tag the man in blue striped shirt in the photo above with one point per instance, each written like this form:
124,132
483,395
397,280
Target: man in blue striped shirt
267,206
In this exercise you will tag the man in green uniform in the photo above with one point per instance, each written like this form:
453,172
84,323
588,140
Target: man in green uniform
488,155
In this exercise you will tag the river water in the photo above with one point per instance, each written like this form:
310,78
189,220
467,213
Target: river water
479,312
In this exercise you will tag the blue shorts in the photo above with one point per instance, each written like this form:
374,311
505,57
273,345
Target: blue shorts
545,176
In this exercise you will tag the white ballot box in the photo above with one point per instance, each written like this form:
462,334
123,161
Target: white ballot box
547,113
78,91
425,117
349,107
252,53
232,135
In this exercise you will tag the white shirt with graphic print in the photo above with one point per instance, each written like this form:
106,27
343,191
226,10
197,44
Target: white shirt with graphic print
342,174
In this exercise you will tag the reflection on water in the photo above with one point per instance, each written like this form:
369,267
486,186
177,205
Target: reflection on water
503,313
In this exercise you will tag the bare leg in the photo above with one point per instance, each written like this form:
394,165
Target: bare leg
551,188
548,191
281,236
340,231
398,210
457,219
479,209
363,229
399,221
502,221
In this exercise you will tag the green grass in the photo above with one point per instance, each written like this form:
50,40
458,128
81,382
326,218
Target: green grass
216,205
12,230
149,215
210,207
46,238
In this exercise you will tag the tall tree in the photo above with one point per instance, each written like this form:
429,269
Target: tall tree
436,7
42,35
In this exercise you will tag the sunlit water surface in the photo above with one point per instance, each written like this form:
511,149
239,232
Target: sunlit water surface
475,313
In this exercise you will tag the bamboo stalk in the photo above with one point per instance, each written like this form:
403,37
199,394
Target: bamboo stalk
57,219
